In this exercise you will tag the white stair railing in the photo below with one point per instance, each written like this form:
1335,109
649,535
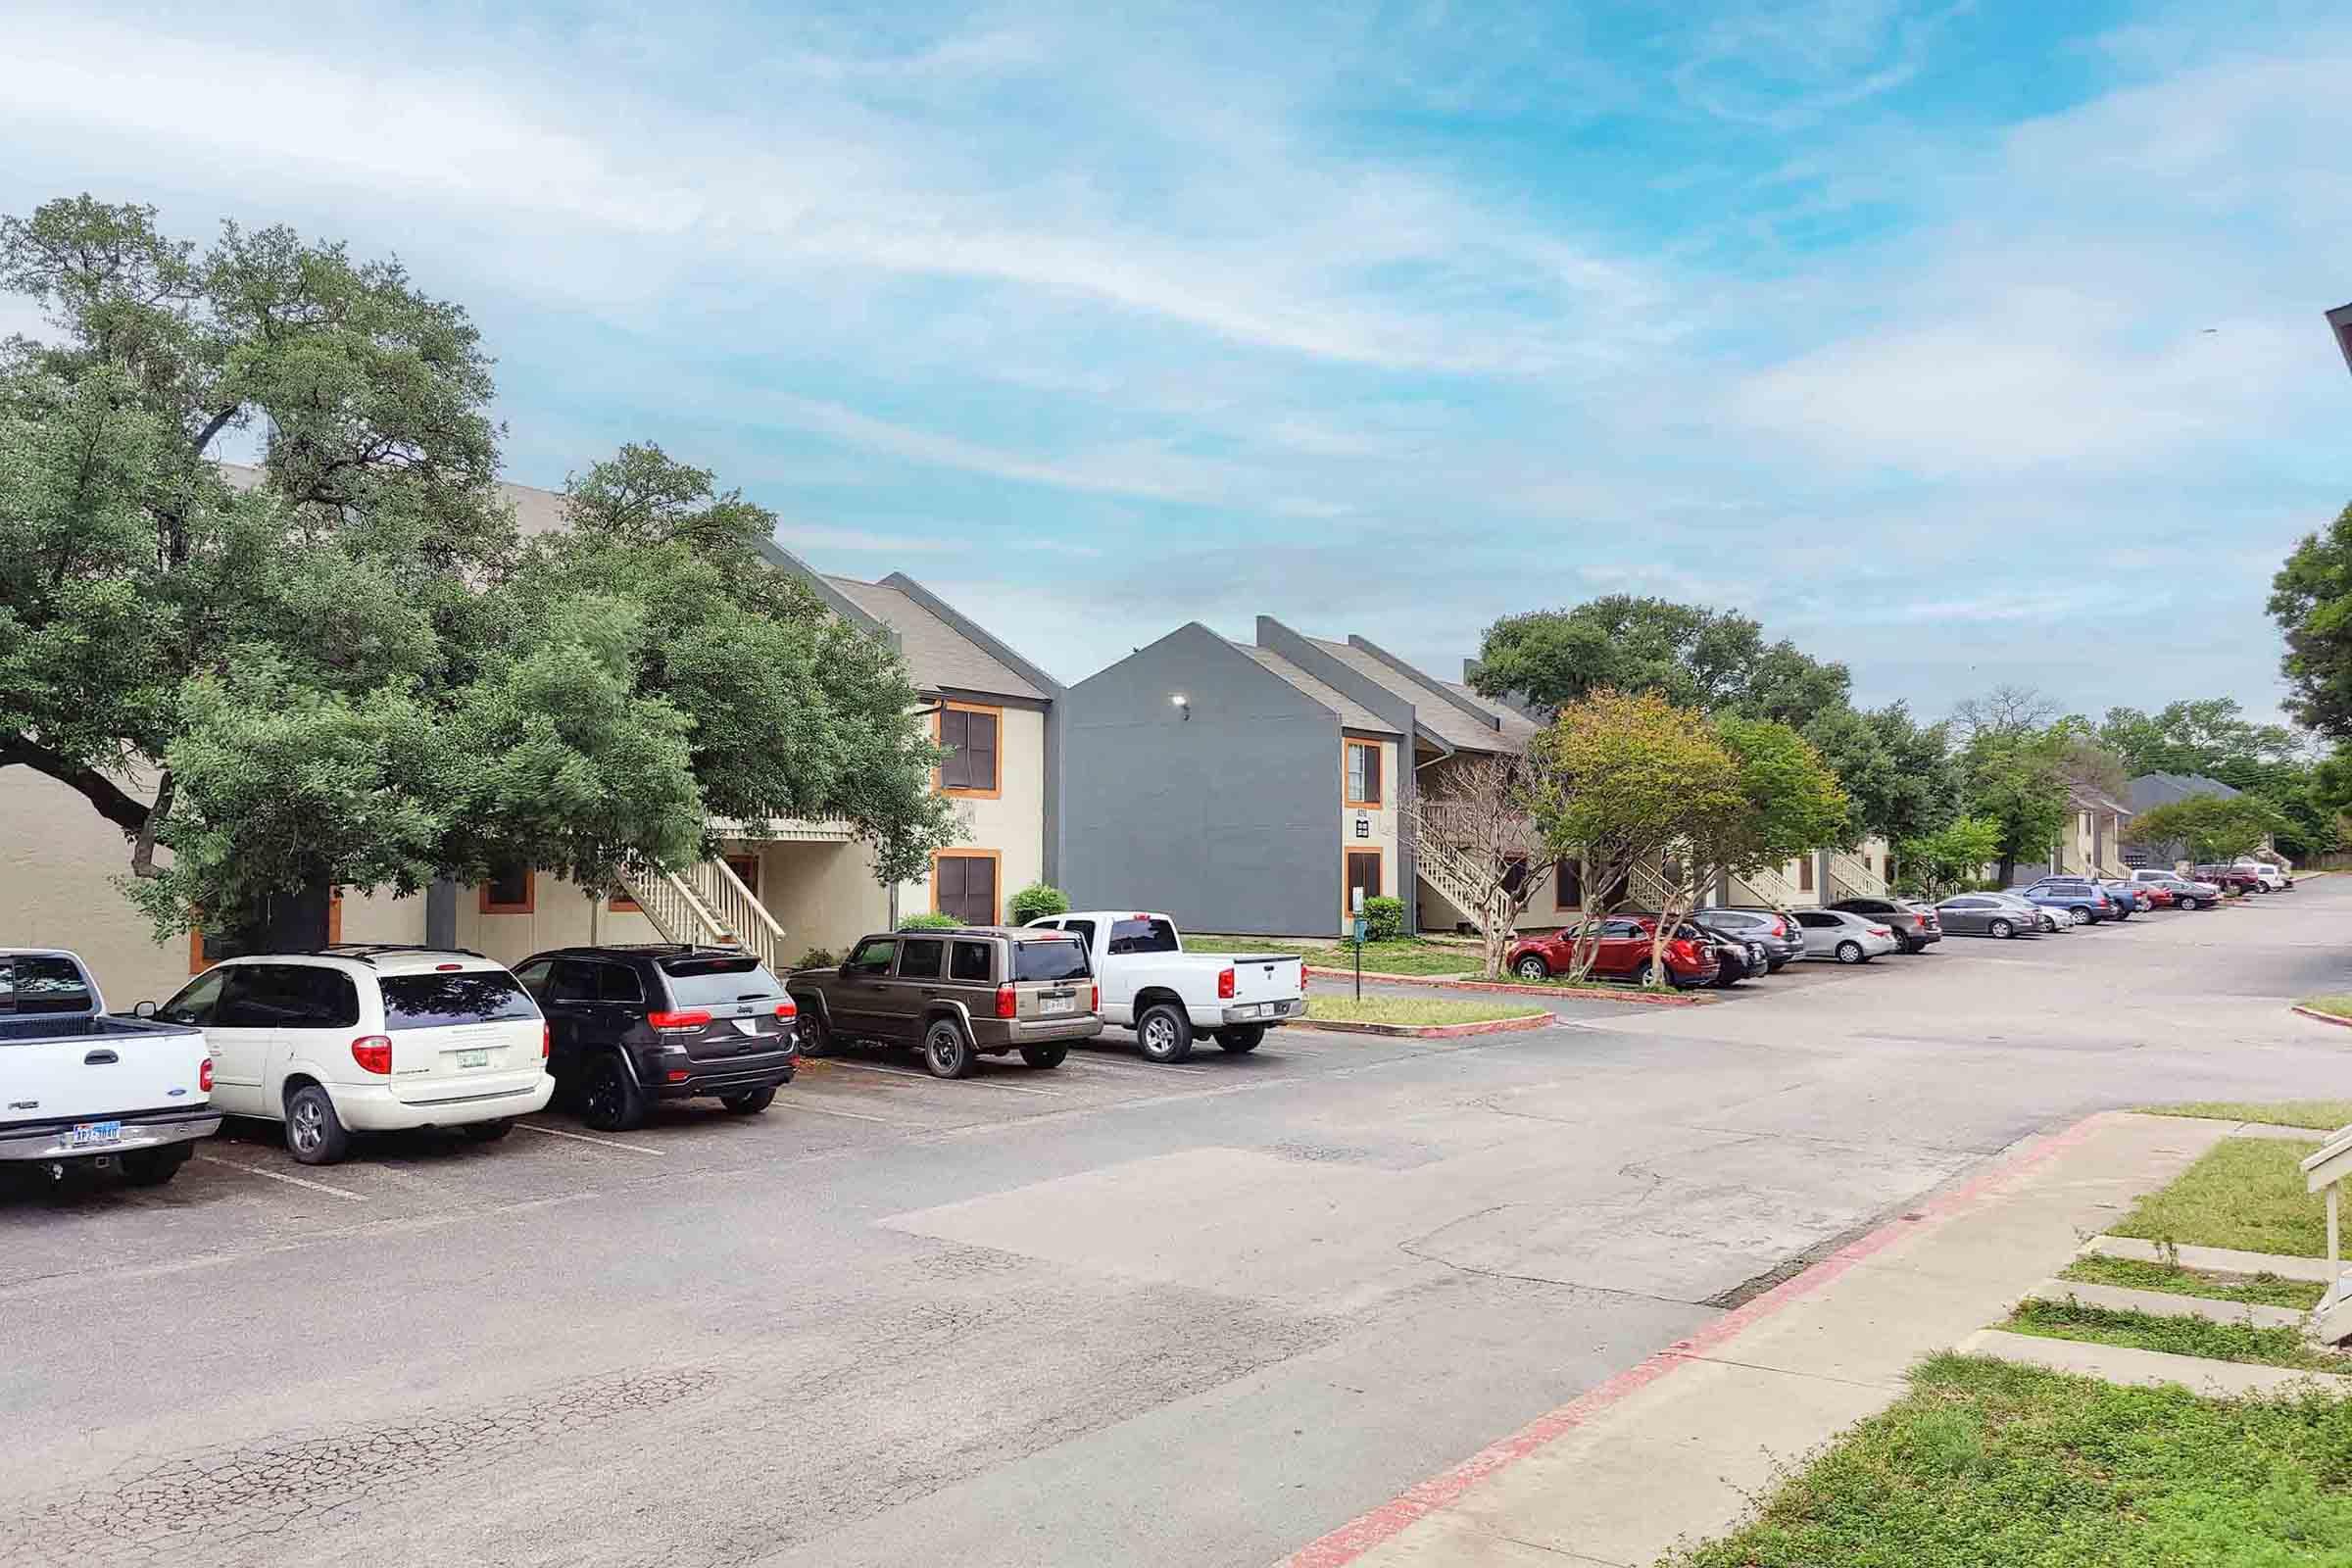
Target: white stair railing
1452,873
2325,1171
1769,887
1850,877
738,912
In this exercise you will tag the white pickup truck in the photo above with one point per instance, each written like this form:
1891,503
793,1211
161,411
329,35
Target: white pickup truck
1149,984
81,1090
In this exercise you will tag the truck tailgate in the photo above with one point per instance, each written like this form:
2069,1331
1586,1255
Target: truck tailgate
1266,976
67,1068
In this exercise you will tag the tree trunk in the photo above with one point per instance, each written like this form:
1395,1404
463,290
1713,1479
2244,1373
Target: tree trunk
296,922
2008,868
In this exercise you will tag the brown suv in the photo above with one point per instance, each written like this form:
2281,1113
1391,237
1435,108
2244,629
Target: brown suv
980,991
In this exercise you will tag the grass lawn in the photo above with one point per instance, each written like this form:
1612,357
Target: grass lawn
1991,1465
2141,1274
2320,1115
1414,1009
2246,1192
1403,955
2181,1336
2335,1006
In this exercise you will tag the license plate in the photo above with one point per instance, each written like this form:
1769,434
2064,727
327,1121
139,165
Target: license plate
90,1134
1057,1005
473,1058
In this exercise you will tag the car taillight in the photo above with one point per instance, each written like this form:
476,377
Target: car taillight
678,1075
1225,984
1780,928
1093,998
693,1019
547,1039
787,1008
374,1053
1008,1005
1880,931
203,1075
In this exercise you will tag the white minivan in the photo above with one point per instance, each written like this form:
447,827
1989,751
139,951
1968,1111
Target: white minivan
369,1039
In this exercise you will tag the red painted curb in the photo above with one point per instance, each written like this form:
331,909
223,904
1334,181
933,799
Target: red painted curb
2324,1017
1430,1031
1644,999
1353,1540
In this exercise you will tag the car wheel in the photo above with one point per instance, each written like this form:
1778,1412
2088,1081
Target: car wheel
610,1099
1045,1056
1642,973
1532,968
2002,928
152,1167
2080,914
946,1052
815,1039
1850,952
751,1103
315,1134
487,1132
1164,1033
1242,1039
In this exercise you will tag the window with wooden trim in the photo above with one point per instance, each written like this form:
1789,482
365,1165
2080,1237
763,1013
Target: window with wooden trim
511,890
964,885
970,736
1363,773
1568,886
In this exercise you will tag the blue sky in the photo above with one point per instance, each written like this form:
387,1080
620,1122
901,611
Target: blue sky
1965,343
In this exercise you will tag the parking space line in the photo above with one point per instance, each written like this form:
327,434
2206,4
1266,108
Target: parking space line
607,1143
854,1115
1121,1065
907,1072
280,1176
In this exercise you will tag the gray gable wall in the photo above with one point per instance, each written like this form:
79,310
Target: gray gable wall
1226,820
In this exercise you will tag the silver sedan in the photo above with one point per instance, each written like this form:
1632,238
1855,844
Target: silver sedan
1847,938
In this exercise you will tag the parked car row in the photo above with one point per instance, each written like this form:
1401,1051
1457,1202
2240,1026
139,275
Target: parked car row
1723,946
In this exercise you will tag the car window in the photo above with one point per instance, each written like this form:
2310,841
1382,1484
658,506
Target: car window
574,980
1143,936
1061,959
1964,904
615,982
970,962
534,976
41,982
919,957
469,996
1620,928
196,1000
700,982
1083,930
288,995
872,956
1815,917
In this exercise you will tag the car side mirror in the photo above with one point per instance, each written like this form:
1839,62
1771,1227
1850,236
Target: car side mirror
145,1010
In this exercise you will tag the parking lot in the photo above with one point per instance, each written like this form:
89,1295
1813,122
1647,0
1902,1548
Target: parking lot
897,1319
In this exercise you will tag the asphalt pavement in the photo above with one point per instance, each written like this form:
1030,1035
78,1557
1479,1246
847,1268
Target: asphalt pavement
1112,1313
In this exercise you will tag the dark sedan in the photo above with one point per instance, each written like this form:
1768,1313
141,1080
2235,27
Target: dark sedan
1974,914
1742,957
1778,935
1914,924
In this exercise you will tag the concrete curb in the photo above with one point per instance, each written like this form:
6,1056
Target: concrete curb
1431,1031
1362,1534
2321,1018
1644,999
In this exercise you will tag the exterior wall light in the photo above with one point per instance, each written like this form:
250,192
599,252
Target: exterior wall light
1183,703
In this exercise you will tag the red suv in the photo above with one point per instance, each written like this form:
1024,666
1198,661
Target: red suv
1623,953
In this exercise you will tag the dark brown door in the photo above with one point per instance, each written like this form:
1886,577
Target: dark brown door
747,871
966,887
1363,874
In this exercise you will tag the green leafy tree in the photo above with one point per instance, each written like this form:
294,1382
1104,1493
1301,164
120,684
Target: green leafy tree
1787,801
344,668
2212,738
1898,774
2016,779
1695,657
1621,781
2311,599
1947,860
2209,827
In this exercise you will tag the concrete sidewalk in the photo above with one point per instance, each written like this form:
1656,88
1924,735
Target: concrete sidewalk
1674,1449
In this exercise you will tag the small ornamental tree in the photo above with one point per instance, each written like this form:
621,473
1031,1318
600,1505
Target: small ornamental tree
1950,859
1784,802
1623,781
1475,819
2211,828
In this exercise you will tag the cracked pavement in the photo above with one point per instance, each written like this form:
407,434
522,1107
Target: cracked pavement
1117,1314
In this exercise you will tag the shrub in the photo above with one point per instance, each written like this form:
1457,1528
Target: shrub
1384,920
817,958
928,921
1037,901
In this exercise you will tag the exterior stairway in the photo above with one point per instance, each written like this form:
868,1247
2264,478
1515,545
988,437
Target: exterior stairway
1850,877
1767,888
707,906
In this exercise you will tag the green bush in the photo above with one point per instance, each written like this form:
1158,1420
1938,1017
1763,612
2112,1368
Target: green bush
817,958
1384,920
928,921
1037,901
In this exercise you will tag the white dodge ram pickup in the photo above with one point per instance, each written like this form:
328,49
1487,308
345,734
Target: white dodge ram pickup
80,1088
1164,994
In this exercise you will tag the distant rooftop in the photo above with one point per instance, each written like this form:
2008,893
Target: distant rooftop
1352,713
938,655
2162,789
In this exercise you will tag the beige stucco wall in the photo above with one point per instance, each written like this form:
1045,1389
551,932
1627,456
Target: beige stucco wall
560,915
1382,819
823,895
1013,823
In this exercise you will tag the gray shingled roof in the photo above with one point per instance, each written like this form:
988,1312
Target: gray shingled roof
1431,712
1517,727
938,656
1350,713
2162,789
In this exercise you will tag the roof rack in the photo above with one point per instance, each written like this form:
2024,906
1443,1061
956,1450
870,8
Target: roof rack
367,952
